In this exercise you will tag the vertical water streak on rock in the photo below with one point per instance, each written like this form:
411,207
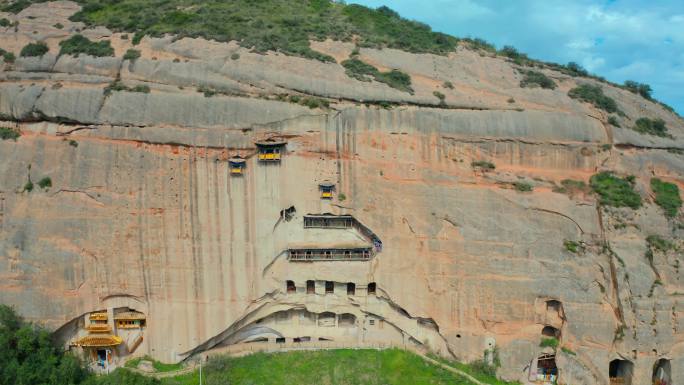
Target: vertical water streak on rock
165,287
218,191
139,216
250,221
231,219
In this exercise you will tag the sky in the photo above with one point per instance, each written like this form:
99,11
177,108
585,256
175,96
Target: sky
641,40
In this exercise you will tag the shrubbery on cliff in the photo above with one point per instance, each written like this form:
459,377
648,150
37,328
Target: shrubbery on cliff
28,356
594,95
667,196
615,191
79,44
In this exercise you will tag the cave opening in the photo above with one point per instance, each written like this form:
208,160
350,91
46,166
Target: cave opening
620,372
662,372
550,331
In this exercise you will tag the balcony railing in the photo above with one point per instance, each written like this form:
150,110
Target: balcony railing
304,255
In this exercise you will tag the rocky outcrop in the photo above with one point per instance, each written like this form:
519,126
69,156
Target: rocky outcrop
143,211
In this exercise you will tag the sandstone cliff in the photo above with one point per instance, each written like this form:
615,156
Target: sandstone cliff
143,212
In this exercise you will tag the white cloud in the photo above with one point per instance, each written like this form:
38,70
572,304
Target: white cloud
593,63
640,40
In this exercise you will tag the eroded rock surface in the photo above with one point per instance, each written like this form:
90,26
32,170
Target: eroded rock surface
143,212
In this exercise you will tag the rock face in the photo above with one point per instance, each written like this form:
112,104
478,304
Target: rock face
144,214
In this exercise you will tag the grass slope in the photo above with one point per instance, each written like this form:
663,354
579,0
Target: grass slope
277,25
328,367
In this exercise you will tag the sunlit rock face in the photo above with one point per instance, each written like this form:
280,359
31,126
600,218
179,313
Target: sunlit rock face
144,215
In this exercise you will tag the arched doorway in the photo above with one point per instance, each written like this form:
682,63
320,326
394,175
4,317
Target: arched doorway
662,372
620,372
544,369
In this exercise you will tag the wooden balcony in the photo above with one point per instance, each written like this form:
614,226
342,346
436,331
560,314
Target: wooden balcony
98,316
269,156
98,328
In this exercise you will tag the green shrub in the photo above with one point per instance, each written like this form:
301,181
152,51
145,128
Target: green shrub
615,191
568,351
537,79
79,44
137,37
483,165
207,91
512,53
658,243
7,133
34,49
667,196
480,44
364,72
571,246
639,88
140,88
119,86
654,127
15,6
612,120
522,186
314,103
58,25
448,85
131,54
4,22
28,187
45,183
73,143
234,56
550,342
7,56
341,197
439,96
574,69
594,95
483,368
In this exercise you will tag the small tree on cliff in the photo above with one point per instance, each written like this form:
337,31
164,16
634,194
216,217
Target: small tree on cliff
28,356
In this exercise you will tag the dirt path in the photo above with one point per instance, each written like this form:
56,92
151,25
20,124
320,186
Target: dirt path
452,369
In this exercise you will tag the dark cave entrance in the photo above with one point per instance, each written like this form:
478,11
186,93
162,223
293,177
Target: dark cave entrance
620,372
662,372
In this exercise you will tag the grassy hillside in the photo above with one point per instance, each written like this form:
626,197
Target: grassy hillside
288,26
330,367
278,25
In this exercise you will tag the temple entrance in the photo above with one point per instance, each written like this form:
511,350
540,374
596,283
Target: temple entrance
620,372
547,371
662,372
